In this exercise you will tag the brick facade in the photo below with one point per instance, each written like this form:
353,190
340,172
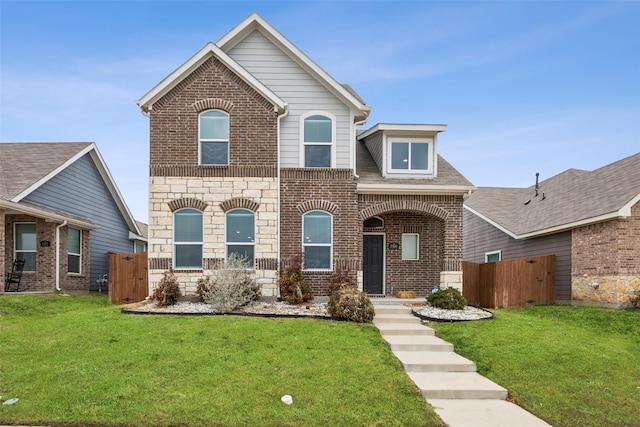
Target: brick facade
44,278
606,261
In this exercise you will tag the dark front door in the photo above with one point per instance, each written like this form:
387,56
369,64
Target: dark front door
373,263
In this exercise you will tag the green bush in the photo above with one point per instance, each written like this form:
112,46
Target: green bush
167,291
350,304
448,299
339,280
231,287
293,289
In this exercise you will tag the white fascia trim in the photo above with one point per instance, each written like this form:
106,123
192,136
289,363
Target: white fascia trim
210,49
255,22
413,129
134,236
46,215
414,189
495,224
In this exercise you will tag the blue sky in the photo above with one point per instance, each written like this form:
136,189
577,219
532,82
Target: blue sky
524,86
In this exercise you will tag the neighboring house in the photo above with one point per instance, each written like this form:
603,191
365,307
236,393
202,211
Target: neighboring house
61,212
254,150
589,220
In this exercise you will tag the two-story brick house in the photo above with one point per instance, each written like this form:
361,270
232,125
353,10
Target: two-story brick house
254,150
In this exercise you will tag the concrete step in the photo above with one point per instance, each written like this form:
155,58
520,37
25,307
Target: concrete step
395,318
484,413
434,361
395,301
404,329
457,385
392,309
417,343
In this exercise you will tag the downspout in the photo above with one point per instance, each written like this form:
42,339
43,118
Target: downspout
64,223
281,116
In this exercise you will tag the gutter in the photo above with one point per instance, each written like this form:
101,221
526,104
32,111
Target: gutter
64,223
278,222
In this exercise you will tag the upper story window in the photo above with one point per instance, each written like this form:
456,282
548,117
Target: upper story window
187,239
25,244
74,250
317,240
214,138
410,155
318,135
241,234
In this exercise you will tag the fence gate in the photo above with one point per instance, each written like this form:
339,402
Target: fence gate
128,281
510,283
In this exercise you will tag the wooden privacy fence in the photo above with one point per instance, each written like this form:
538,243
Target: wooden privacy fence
510,283
128,278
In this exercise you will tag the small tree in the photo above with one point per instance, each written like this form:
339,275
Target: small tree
231,287
340,279
293,289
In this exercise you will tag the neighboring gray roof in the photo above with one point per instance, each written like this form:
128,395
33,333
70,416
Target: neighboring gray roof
571,198
24,164
144,228
369,173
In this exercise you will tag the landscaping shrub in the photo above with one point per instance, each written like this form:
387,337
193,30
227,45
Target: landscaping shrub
339,280
231,287
350,304
635,300
293,289
167,291
448,299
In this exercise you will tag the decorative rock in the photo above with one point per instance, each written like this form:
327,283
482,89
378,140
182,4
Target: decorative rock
287,399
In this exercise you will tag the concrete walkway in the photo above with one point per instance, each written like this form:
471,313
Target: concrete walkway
448,381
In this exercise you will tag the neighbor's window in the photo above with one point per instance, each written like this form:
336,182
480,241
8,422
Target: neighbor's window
214,138
493,256
139,247
316,240
25,244
74,250
410,246
187,239
410,155
241,235
317,141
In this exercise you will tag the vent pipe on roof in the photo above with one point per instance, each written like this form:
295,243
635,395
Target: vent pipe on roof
537,185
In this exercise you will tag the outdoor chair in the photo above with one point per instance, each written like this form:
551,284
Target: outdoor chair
14,276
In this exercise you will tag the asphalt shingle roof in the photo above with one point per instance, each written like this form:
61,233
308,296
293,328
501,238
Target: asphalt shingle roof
569,197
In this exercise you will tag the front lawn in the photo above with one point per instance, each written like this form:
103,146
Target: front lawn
571,366
76,360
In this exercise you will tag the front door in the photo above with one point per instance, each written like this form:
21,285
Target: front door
373,263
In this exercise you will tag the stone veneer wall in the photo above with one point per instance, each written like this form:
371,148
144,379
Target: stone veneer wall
330,190
606,261
212,193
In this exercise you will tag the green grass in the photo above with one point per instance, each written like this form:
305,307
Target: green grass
77,360
571,366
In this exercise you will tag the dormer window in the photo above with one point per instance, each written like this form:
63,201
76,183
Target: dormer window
214,138
410,155
317,140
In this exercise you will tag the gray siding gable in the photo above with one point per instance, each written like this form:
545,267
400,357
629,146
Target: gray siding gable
80,190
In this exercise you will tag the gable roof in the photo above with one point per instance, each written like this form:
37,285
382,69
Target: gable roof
25,167
570,199
172,80
255,22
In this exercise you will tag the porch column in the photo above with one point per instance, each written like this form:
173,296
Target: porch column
2,248
451,269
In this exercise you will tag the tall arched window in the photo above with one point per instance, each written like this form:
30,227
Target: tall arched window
318,134
187,239
317,240
214,138
241,234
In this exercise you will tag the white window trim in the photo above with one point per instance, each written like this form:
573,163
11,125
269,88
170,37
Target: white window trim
303,144
227,243
201,243
201,140
487,254
417,258
330,244
15,240
430,141
136,243
71,253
